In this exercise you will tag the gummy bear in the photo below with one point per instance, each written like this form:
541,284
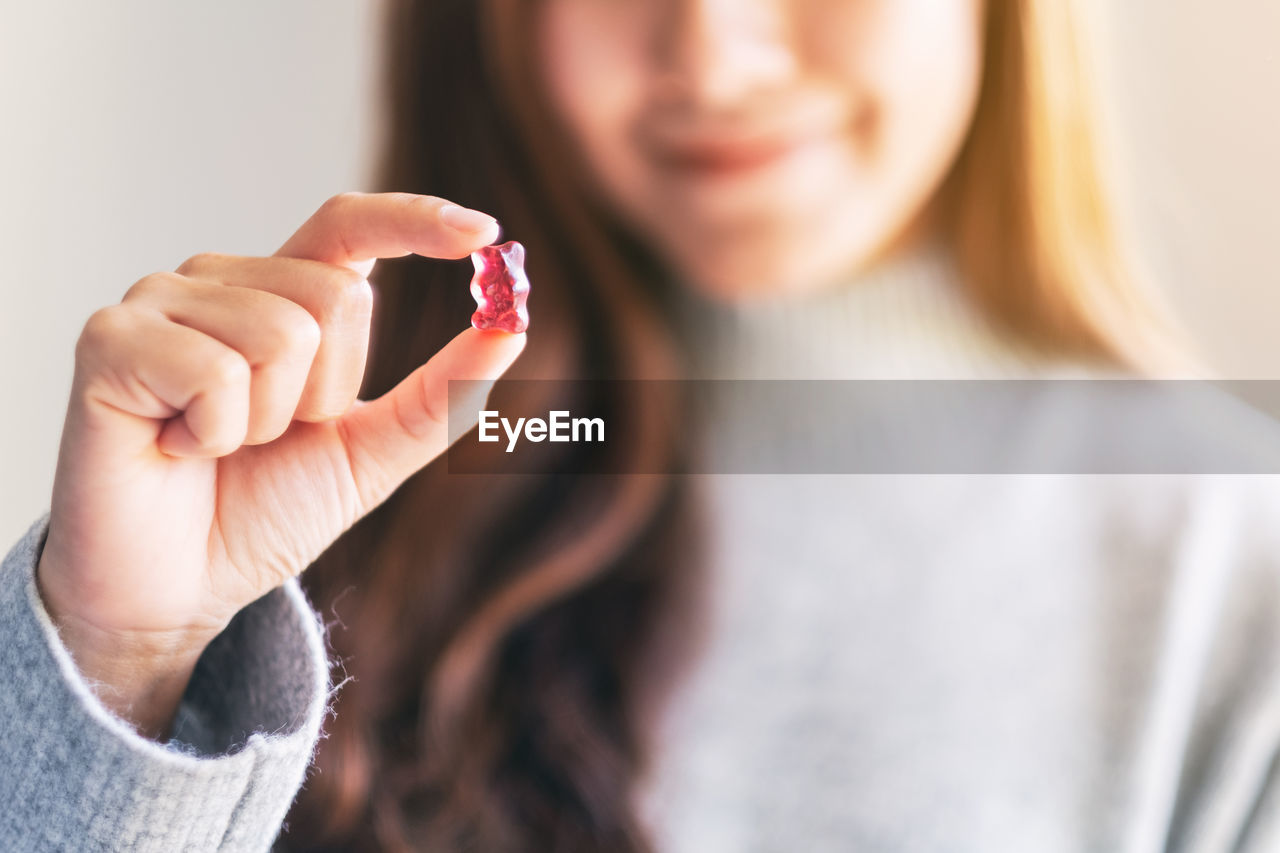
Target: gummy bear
500,288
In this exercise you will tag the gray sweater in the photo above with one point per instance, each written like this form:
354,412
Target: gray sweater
73,777
911,664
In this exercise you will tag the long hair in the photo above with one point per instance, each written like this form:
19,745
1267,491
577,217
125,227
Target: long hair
1032,210
510,639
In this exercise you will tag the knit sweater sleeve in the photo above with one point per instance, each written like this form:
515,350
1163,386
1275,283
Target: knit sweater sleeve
75,777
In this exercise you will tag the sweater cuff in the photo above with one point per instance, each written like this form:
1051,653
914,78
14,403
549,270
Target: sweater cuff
75,776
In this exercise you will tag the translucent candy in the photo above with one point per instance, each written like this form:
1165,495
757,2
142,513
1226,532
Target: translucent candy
500,288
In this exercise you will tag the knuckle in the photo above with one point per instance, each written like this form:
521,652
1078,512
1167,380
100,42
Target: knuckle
150,286
347,300
228,370
426,202
201,262
298,333
336,205
357,295
103,326
419,415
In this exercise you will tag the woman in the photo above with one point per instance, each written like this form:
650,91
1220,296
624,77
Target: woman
848,189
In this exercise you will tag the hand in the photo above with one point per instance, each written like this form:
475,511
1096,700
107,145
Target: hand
214,445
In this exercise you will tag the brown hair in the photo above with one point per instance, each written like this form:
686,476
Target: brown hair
508,638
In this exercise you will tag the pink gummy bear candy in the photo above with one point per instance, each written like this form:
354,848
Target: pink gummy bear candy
500,288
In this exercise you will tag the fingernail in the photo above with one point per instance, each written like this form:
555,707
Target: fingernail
465,219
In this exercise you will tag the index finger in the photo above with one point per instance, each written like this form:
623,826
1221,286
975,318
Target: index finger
354,229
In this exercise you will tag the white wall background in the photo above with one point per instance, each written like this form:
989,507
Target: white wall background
1197,98
137,132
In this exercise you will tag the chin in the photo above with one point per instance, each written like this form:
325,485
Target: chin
761,269
747,278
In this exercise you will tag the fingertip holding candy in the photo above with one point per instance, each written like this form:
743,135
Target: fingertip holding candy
500,288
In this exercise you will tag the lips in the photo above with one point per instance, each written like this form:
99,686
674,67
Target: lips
748,137
723,154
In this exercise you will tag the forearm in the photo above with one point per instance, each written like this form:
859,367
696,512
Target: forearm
74,770
139,679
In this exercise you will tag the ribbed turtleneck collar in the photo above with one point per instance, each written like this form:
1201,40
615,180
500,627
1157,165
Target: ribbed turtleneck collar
904,318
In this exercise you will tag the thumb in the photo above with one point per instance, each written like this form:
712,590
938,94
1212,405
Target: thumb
390,438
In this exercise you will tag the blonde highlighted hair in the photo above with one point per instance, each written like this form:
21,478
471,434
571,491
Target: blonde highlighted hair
1032,201
511,639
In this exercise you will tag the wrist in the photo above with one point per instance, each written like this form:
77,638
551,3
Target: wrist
138,675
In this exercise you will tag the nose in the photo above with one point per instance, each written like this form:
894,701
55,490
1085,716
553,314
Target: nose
719,53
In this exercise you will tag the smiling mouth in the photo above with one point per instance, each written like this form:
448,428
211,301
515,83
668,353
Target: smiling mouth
724,156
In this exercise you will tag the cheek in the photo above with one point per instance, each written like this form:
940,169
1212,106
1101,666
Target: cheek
919,65
593,61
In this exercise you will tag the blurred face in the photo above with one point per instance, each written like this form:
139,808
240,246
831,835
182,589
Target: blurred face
765,145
